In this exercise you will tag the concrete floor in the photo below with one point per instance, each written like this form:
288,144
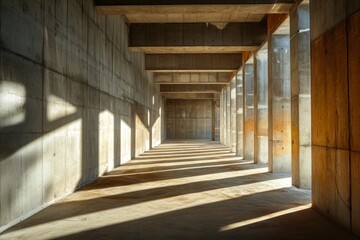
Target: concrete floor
183,190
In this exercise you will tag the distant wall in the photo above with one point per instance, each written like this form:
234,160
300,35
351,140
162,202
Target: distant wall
74,101
190,119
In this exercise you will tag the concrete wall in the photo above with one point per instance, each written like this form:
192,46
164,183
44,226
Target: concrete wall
189,119
335,57
70,103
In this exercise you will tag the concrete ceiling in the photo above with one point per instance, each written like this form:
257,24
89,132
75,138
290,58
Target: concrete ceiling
195,47
193,11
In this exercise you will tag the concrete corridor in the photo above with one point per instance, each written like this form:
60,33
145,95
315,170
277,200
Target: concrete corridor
183,190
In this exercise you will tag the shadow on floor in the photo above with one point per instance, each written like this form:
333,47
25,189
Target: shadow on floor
215,220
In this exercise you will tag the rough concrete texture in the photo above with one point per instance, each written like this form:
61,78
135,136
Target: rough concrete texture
326,14
280,100
262,105
184,190
334,136
239,114
228,115
68,89
221,117
189,119
196,37
191,78
212,12
219,62
249,111
233,115
216,119
300,96
223,121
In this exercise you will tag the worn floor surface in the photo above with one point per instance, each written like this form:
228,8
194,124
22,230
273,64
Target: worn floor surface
183,190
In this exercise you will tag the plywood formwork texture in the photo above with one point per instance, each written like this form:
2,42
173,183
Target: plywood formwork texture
189,119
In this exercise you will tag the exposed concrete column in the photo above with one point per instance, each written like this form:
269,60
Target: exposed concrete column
213,120
300,96
222,116
279,104
239,114
255,109
233,115
261,126
228,115
249,111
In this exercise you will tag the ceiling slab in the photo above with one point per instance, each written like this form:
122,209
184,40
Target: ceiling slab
193,62
191,78
197,37
191,95
191,88
193,11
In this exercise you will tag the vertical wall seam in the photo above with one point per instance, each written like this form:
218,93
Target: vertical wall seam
349,116
43,99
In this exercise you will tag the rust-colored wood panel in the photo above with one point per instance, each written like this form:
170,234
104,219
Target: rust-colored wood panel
331,183
355,192
354,79
330,89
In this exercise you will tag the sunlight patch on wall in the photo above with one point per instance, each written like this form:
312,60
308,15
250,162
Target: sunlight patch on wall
125,142
13,99
106,142
57,108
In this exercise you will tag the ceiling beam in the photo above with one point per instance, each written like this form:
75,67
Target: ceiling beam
191,95
197,37
193,62
162,11
192,78
191,88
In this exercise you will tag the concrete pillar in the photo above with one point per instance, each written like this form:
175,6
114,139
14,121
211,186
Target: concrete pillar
228,115
249,111
213,120
261,124
233,115
300,96
221,116
239,114
255,110
224,115
279,104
